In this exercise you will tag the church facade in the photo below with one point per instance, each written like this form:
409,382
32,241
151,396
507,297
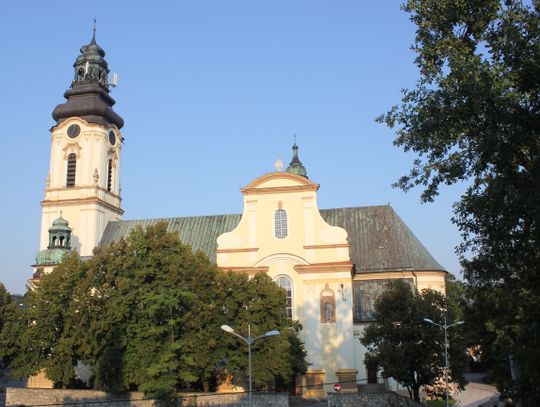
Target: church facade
332,263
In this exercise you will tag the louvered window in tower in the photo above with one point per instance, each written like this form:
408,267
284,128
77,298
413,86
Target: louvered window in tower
71,167
109,176
280,224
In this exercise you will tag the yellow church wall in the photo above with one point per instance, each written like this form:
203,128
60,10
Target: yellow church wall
314,255
88,205
87,221
309,236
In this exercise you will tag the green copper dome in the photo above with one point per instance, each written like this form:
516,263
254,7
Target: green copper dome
295,166
51,256
60,224
59,243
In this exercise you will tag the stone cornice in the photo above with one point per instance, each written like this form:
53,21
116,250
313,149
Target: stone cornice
383,274
75,119
238,250
279,190
324,267
75,188
327,246
247,270
279,175
78,201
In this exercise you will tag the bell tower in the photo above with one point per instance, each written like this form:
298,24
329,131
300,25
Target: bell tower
84,174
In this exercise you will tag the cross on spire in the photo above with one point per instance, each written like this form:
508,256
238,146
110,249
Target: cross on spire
94,25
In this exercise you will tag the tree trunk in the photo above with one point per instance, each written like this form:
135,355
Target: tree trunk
416,390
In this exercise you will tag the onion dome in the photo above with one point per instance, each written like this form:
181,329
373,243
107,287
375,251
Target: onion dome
59,243
60,224
295,166
88,96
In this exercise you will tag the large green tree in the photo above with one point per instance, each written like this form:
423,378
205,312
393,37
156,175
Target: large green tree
406,347
474,115
8,316
145,313
45,335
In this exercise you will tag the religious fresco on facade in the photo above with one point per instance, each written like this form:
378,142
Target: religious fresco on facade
328,305
365,294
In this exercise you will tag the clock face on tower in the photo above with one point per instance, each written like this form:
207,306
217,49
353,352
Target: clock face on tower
73,131
112,138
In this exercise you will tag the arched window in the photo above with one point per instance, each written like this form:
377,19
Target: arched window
280,224
286,283
109,176
71,167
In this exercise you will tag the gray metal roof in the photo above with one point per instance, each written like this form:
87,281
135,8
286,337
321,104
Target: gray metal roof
380,240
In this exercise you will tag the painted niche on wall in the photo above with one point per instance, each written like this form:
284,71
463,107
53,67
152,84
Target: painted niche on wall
328,305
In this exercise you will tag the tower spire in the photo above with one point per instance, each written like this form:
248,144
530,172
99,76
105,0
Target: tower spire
295,166
89,96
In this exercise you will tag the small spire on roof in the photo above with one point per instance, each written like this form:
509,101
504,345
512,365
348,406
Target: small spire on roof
295,166
93,31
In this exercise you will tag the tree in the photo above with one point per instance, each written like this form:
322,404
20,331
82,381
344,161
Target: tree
144,313
7,318
260,301
406,348
456,296
44,335
474,115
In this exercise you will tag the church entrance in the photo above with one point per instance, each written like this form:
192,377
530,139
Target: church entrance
372,374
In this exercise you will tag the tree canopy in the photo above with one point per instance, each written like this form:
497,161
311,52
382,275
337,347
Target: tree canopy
474,116
8,316
145,313
406,347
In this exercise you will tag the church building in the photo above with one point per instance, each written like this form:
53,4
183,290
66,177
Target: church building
332,262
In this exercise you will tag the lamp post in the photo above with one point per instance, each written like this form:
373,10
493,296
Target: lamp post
249,340
445,329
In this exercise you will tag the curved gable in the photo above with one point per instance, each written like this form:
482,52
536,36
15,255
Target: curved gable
279,182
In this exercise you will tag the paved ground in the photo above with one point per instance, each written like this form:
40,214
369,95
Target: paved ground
476,392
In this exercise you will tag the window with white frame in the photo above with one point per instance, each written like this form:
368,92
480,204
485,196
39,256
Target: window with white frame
280,224
286,283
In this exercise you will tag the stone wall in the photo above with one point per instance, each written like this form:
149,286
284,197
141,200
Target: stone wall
82,398
95,398
370,400
234,399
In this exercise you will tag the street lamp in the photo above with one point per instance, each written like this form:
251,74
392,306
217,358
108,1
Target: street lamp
445,328
249,340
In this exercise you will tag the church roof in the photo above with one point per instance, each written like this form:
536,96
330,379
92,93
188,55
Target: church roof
379,239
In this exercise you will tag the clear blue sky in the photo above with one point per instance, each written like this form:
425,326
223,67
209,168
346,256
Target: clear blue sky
211,93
